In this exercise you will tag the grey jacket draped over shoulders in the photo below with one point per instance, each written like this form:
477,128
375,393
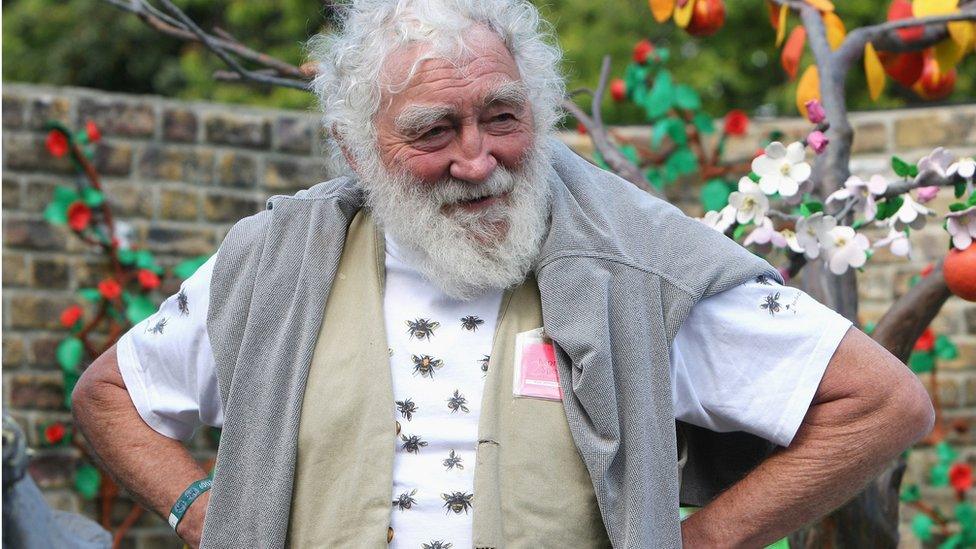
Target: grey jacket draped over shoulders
618,273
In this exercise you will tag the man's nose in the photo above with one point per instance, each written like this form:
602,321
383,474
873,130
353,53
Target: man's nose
474,161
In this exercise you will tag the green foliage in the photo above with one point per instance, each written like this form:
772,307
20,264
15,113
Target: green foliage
68,354
87,481
64,42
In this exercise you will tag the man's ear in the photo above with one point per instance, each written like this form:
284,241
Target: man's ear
350,159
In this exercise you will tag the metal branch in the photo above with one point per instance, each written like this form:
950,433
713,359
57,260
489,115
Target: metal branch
601,141
852,47
212,44
173,27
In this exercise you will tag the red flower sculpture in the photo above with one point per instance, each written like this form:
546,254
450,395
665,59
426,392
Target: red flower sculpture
925,342
79,215
54,433
641,50
148,279
56,143
736,122
92,130
71,315
109,288
961,477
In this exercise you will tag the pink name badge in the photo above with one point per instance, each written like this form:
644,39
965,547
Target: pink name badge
535,375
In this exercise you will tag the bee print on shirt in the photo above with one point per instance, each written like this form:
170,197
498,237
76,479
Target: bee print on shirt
422,328
405,500
436,544
453,461
413,443
771,304
457,501
457,402
425,365
407,408
183,303
471,323
763,279
158,327
483,361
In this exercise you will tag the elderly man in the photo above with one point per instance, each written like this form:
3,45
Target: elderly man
477,339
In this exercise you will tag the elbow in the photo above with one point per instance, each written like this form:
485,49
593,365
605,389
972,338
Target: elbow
914,411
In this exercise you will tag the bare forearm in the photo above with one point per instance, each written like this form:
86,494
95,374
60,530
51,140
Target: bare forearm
838,449
153,468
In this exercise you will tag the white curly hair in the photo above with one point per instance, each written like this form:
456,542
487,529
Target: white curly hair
349,60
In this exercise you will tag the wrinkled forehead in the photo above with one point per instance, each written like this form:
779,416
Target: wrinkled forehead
478,69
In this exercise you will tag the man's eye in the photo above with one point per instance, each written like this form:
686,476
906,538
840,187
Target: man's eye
434,132
504,117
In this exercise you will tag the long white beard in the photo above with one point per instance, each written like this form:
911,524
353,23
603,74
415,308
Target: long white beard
465,254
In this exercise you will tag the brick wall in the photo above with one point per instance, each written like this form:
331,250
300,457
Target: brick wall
178,174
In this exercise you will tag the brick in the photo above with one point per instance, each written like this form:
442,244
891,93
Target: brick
129,199
42,347
950,394
870,137
179,205
14,352
14,113
11,193
46,108
224,208
53,470
36,391
238,130
179,125
294,134
969,314
967,353
35,234
39,191
237,170
922,131
14,269
292,173
959,129
36,311
113,158
120,117
49,273
64,500
180,241
27,152
969,392
176,164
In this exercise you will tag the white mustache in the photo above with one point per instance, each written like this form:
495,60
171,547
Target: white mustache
451,191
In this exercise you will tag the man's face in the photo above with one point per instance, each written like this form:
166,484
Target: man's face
455,120
459,180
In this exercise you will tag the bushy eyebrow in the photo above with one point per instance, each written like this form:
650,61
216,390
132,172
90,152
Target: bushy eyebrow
416,118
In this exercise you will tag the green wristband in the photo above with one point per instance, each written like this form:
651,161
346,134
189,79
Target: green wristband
186,499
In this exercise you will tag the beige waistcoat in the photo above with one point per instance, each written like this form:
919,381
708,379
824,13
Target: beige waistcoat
531,488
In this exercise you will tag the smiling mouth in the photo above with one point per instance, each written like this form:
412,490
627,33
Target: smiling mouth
481,201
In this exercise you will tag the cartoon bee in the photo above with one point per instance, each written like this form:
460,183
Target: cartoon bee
407,408
453,461
158,327
471,323
457,502
771,304
422,328
183,302
457,402
412,444
405,500
436,544
424,365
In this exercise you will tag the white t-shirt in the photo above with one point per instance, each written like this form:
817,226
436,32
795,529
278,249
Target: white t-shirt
747,359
